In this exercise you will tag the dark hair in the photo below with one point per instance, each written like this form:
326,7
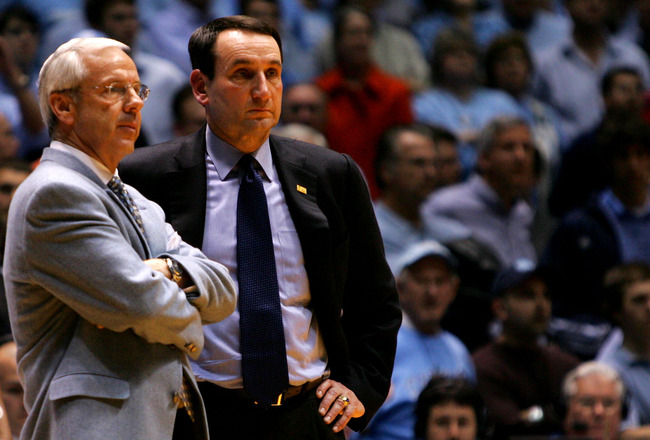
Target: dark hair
95,9
21,13
442,390
449,41
617,280
442,134
607,82
386,147
202,42
341,17
619,132
496,49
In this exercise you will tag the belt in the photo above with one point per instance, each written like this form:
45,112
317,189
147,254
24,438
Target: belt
290,392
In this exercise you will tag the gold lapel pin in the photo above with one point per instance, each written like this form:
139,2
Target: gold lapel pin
301,189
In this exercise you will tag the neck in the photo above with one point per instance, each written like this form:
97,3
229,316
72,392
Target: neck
590,39
636,198
639,347
518,341
463,90
403,206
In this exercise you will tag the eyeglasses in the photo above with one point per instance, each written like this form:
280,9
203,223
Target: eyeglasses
609,405
117,91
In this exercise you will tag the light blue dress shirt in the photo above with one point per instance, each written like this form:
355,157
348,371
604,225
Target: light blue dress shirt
220,361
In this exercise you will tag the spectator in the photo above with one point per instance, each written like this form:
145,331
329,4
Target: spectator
449,170
363,100
509,67
9,143
613,227
118,19
406,169
593,395
301,132
569,73
519,376
460,14
306,104
581,172
12,390
450,409
19,43
627,299
297,62
189,115
393,49
458,102
427,283
542,28
493,202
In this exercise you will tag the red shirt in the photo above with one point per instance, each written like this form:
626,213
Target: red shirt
357,117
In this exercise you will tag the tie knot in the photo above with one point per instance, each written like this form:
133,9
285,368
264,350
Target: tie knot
116,184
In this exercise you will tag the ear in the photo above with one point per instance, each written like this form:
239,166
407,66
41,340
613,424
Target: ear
499,309
63,107
199,84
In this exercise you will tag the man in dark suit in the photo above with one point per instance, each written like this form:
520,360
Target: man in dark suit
338,303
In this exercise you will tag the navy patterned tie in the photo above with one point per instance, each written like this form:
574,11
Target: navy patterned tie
264,357
116,185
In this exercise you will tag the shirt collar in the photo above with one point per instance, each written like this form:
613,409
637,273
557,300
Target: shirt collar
225,156
609,200
96,166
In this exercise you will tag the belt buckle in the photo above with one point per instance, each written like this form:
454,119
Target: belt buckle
279,401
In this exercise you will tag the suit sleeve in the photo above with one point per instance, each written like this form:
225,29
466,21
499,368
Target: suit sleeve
82,258
371,314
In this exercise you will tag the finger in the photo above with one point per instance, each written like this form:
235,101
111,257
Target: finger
337,408
327,400
343,420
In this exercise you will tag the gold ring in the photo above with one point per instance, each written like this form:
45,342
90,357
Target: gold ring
344,400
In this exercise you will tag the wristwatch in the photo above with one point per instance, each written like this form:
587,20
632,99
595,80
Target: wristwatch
175,269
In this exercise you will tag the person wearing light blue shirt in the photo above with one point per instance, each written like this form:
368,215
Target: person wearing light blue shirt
427,284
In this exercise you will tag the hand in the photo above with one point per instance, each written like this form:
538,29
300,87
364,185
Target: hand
332,408
159,265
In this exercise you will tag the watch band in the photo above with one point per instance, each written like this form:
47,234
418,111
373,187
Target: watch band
175,269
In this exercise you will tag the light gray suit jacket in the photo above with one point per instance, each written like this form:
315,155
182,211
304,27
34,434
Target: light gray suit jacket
101,337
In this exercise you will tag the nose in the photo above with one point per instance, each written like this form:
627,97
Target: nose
454,430
133,101
261,87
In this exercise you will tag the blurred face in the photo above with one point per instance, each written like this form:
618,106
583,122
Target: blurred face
509,165
192,117
525,310
451,421
511,71
305,104
595,409
587,13
100,121
426,289
21,41
9,181
12,390
626,94
412,175
448,167
120,22
9,143
244,98
521,10
459,66
634,316
631,169
265,11
355,40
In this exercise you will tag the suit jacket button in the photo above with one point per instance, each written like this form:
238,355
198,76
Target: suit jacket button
191,347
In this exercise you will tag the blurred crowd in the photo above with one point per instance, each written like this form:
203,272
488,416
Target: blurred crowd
506,145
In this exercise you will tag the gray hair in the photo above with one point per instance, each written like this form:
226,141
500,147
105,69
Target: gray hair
495,127
569,386
65,69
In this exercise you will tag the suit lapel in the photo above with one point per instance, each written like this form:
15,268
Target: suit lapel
186,186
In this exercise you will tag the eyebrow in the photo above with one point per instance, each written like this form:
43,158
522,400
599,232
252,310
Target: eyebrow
246,61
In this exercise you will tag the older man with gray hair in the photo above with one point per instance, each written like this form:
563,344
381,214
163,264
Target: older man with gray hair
494,203
104,297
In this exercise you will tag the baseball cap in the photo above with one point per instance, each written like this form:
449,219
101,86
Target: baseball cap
522,270
420,250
